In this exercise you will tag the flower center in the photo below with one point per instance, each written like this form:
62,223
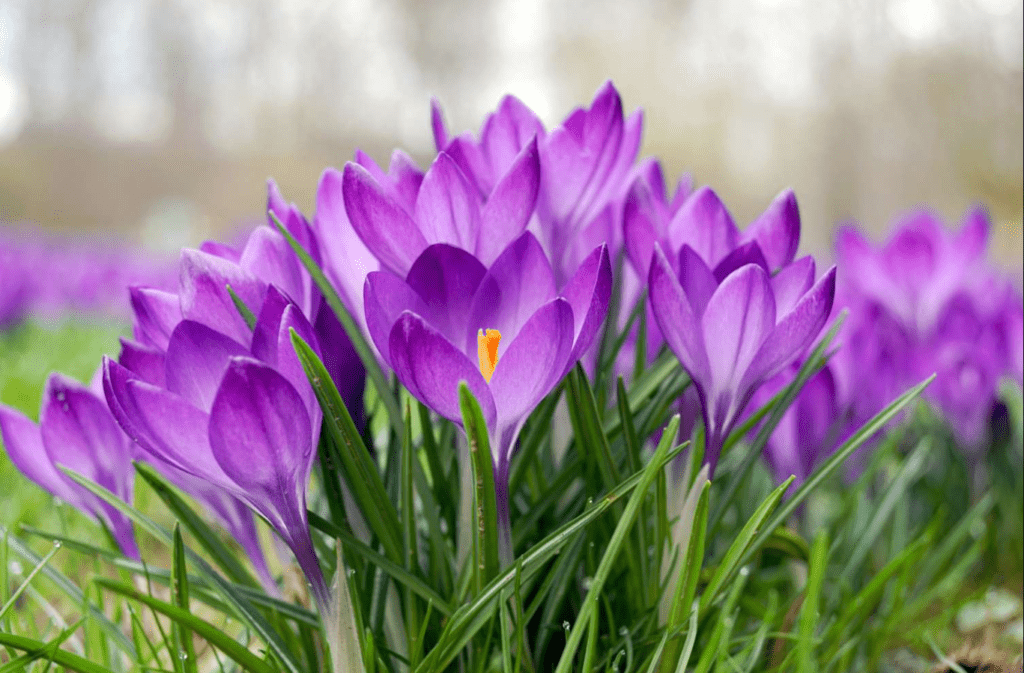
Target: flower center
487,350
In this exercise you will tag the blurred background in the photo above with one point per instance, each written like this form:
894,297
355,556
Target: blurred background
158,121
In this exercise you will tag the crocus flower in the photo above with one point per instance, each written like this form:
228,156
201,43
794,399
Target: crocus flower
504,330
242,418
953,314
75,430
586,165
735,326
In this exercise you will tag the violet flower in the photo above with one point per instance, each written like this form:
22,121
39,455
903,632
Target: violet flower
927,301
586,165
736,326
505,330
240,418
75,430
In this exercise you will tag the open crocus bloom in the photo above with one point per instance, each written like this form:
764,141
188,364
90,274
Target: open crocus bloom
734,327
75,430
505,330
240,417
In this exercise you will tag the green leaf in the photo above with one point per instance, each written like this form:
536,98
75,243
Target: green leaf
355,334
611,551
28,580
211,633
360,471
208,539
247,315
485,508
686,586
343,626
182,636
808,618
71,662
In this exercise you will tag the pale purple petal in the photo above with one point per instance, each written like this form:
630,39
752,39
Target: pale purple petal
431,367
791,283
509,207
386,296
23,443
204,296
970,243
638,226
777,230
588,293
518,283
533,363
382,224
448,207
703,223
739,318
405,178
196,359
446,279
156,314
675,317
268,256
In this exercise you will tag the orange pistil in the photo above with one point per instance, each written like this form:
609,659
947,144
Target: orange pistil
487,350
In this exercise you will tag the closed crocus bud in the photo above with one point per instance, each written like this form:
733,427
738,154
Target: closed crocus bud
76,431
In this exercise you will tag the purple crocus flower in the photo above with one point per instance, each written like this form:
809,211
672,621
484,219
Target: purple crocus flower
242,418
586,165
735,326
75,430
949,311
504,330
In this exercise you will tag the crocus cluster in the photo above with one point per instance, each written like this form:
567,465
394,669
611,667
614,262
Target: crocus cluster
45,275
494,268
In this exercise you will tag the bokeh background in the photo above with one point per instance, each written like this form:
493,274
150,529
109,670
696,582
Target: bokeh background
158,121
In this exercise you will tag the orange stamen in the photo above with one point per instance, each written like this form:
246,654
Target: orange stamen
487,350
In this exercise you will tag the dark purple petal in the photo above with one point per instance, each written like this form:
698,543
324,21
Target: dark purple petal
703,223
747,253
342,362
204,296
448,206
791,283
382,224
386,296
533,363
145,362
23,443
196,359
431,367
696,279
638,226
446,279
260,435
795,331
518,283
437,125
588,293
777,230
675,317
509,207
738,319
156,314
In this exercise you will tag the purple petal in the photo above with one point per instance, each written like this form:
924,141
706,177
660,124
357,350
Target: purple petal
588,293
437,125
268,256
506,132
533,363
738,319
696,279
156,314
795,331
510,206
204,295
261,436
446,279
431,367
791,283
342,362
406,178
196,359
384,227
347,259
704,224
747,253
448,206
23,443
676,318
145,362
386,297
912,252
518,283
470,159
222,250
777,230
638,226
970,243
